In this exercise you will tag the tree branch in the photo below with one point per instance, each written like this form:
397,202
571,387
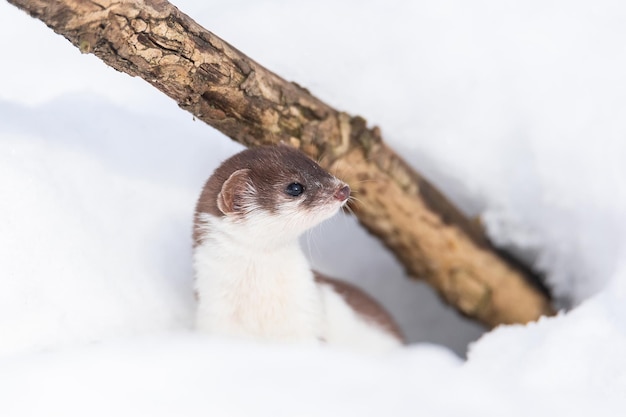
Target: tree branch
218,84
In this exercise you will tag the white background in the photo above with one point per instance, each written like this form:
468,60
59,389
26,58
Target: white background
517,110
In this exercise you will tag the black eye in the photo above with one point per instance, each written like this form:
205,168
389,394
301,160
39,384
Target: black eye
294,189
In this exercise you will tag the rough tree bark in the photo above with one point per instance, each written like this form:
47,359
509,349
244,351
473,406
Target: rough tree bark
218,84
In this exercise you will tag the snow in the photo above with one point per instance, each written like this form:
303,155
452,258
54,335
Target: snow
516,109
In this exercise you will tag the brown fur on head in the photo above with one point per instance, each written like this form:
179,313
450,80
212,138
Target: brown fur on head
256,180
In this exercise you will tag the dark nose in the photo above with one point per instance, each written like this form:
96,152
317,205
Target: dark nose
343,193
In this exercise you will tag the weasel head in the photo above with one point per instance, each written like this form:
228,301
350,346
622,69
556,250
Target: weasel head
268,195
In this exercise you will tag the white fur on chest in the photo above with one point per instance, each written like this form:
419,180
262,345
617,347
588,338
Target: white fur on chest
270,294
267,295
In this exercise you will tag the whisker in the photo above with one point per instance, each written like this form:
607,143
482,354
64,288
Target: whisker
308,244
340,168
313,242
358,200
352,200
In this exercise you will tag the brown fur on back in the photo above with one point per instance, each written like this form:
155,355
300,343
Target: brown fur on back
363,304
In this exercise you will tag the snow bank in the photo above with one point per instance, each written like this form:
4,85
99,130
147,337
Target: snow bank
190,375
517,109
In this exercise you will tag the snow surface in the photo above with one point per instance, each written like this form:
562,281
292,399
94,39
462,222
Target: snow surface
516,108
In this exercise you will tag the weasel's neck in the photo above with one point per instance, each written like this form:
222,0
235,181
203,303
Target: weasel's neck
251,291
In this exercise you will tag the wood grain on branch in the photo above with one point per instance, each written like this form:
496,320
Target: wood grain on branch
220,85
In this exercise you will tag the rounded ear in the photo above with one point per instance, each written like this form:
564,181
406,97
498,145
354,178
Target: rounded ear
232,195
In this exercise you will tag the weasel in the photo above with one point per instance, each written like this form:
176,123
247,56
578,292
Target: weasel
252,279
